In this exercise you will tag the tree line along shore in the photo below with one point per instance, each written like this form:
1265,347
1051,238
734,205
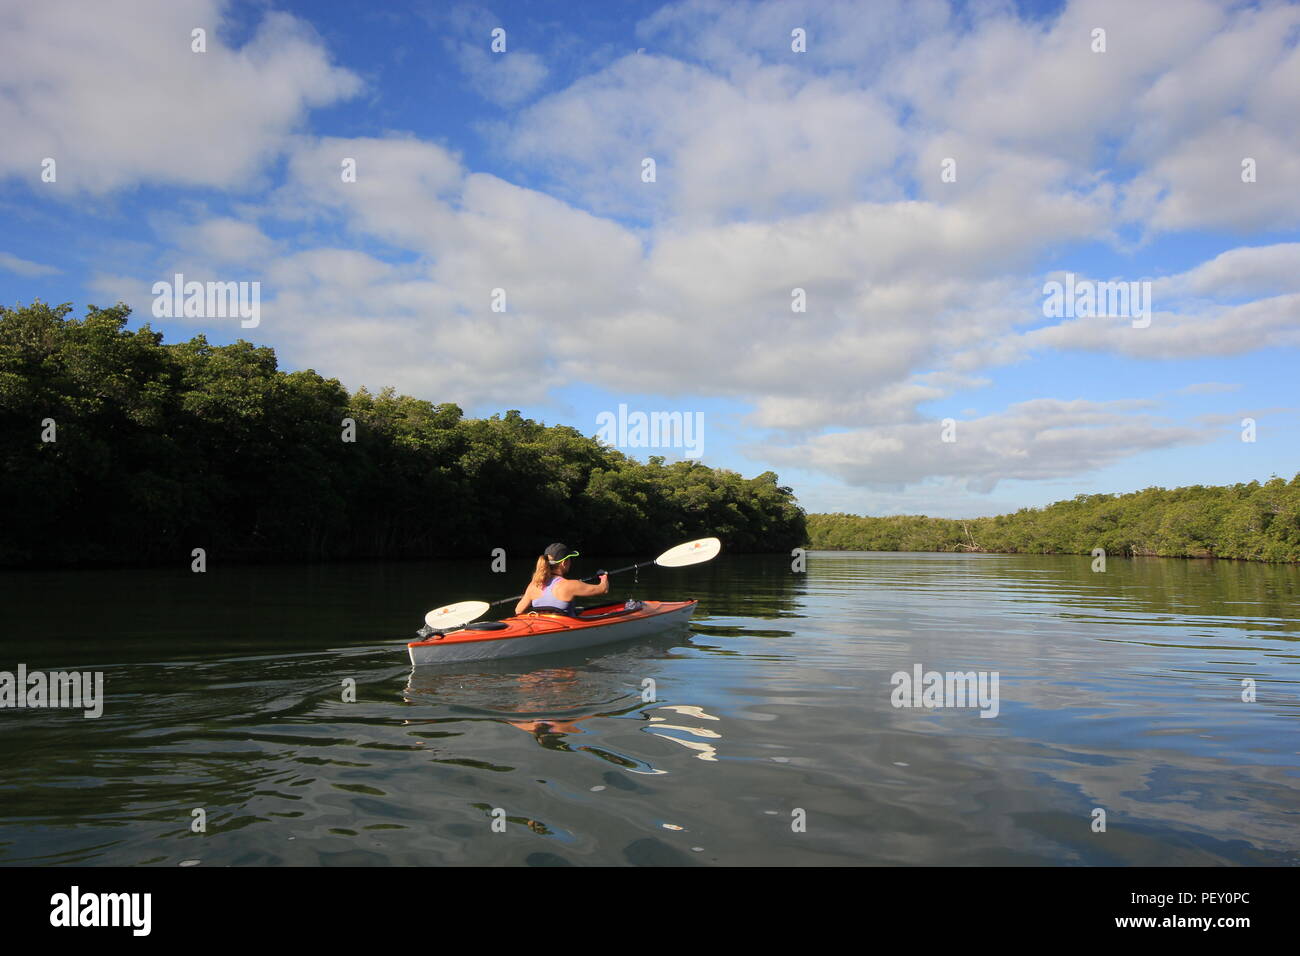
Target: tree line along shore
1254,521
158,449
116,448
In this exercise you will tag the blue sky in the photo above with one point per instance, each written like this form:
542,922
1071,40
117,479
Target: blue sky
775,169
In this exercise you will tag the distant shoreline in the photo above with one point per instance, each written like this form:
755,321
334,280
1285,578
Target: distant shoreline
1181,557
1242,522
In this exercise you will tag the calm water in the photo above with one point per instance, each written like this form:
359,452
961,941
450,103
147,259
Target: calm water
1119,690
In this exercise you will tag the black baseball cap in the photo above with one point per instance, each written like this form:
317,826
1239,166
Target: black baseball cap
557,553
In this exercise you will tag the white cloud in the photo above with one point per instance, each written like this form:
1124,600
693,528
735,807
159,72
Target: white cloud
732,36
1246,271
25,267
223,241
1035,440
118,100
400,194
1243,300
769,146
1208,332
1208,388
937,498
505,78
1235,94
746,129
1234,419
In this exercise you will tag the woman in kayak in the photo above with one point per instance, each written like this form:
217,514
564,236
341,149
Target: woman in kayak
551,590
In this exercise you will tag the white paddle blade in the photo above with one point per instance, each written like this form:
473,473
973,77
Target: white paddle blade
692,552
454,615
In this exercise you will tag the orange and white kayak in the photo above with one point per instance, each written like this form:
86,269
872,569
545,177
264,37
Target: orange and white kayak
539,632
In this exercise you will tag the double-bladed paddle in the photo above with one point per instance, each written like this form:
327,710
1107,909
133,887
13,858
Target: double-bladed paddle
461,613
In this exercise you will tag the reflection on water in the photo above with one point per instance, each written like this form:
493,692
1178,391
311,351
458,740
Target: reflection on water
1120,690
550,703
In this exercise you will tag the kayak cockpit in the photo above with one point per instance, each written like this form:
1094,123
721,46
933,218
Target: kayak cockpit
589,613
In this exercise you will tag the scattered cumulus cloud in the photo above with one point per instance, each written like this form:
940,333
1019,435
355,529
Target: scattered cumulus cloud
119,101
1209,388
25,267
775,172
1034,440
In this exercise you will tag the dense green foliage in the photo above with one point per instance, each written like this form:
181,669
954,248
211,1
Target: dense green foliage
164,448
1259,522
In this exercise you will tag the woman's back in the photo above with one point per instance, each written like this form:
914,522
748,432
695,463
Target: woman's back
549,589
549,599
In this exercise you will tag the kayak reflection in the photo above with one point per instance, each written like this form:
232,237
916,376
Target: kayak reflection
559,701
566,689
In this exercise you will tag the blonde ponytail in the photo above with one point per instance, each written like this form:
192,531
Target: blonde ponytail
542,574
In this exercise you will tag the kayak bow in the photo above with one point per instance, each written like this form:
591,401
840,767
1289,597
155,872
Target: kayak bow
539,633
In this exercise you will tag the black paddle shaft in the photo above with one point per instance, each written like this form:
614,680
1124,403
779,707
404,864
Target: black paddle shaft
641,564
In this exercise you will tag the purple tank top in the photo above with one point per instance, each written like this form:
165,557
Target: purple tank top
549,599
